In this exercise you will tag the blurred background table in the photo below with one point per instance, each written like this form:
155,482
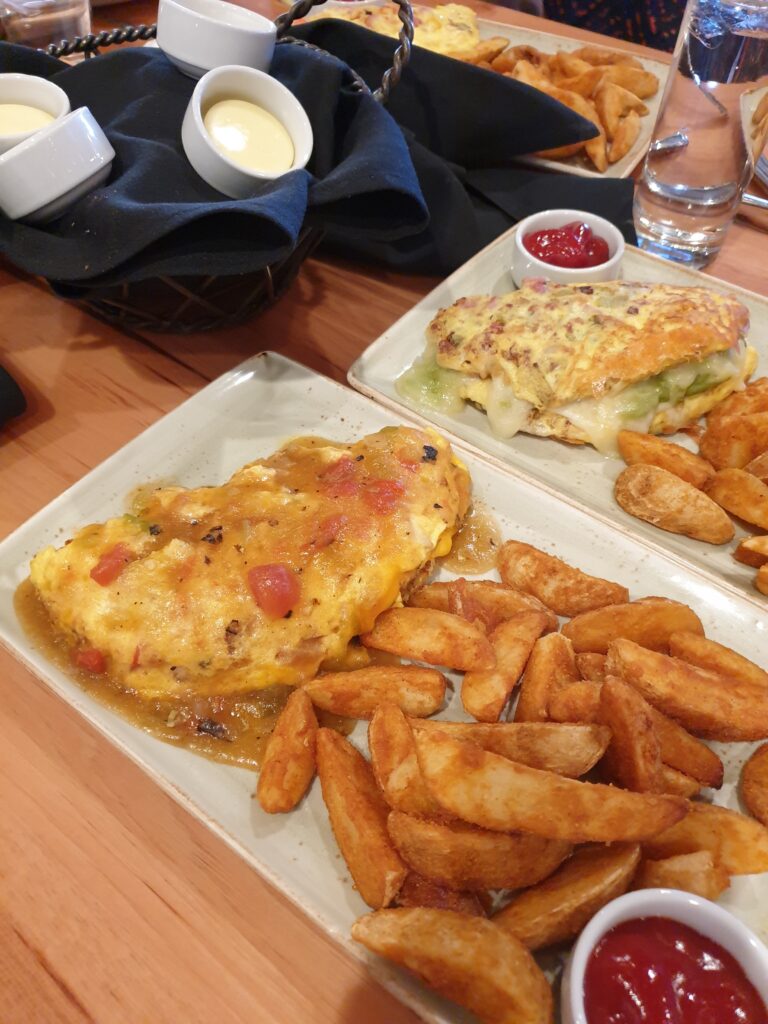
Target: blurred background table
117,907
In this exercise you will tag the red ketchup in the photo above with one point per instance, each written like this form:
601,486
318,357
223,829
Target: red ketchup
574,245
653,970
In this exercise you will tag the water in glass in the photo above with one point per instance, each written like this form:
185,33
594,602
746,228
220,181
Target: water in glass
41,22
710,127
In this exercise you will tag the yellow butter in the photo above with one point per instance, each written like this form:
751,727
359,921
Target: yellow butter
20,117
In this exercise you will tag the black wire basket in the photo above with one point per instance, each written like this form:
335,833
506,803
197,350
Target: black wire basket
194,303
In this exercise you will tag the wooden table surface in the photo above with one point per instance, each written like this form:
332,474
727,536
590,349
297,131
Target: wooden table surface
115,905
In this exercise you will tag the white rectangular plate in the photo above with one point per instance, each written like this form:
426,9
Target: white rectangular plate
578,473
245,414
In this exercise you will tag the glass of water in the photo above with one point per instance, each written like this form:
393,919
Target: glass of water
709,129
41,22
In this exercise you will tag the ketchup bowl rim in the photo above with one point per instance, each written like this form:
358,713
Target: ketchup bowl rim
704,916
525,264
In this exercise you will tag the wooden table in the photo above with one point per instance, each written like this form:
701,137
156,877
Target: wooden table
117,907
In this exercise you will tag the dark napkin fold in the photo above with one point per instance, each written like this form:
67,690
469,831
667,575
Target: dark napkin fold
465,127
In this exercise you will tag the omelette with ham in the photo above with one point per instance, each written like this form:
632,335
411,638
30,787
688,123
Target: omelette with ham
224,590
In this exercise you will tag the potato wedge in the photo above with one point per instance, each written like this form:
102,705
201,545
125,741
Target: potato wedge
678,783
597,55
570,750
759,467
633,757
579,702
417,891
697,872
484,51
557,909
591,666
706,703
485,693
638,81
492,603
418,691
733,441
649,450
465,857
567,591
714,657
358,816
288,766
625,137
395,765
761,580
550,668
613,102
754,784
752,551
506,61
648,622
435,637
754,398
495,793
685,754
564,65
664,500
738,843
584,83
471,961
741,494
479,600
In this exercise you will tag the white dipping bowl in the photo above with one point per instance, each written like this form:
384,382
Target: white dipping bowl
240,83
703,916
525,264
198,35
53,168
33,92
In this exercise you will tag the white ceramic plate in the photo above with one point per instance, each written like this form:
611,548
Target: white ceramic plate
246,414
578,472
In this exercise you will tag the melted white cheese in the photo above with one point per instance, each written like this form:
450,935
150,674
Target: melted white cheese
507,414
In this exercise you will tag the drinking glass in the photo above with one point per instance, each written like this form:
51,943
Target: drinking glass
711,126
41,22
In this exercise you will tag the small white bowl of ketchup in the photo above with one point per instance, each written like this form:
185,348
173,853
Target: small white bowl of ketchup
645,954
567,247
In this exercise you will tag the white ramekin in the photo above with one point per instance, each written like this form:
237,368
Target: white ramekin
702,915
198,35
53,168
32,91
241,83
525,264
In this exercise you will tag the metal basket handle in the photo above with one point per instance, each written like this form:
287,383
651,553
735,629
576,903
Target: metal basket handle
400,58
91,44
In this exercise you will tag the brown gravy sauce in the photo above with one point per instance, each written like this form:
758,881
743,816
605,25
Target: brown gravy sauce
239,726
476,545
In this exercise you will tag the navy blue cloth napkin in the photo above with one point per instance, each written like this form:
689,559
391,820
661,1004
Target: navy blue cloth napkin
12,401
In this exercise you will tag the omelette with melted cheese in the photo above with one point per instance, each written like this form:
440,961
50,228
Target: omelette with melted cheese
450,29
224,590
582,362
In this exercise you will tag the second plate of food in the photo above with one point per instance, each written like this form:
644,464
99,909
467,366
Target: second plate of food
563,461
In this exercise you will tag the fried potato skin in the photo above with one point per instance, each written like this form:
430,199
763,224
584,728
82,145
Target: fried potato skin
637,80
579,702
714,657
288,766
738,843
591,666
485,693
624,137
466,959
417,891
664,500
357,694
752,551
633,757
465,857
697,872
754,784
599,56
707,704
649,622
358,816
741,494
754,398
396,766
733,441
761,580
479,601
550,668
649,450
557,909
495,793
678,783
435,637
759,467
564,589
566,749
